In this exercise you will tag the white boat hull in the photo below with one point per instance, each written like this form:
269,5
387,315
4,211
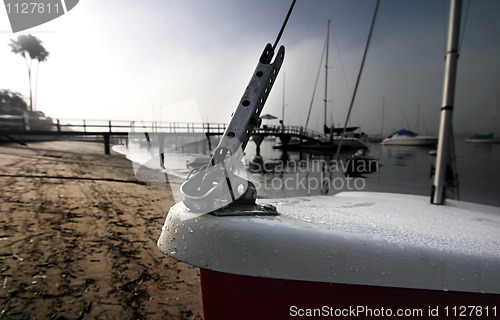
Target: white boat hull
483,141
352,248
410,141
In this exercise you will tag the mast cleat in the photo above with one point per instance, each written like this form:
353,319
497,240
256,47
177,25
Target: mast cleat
215,187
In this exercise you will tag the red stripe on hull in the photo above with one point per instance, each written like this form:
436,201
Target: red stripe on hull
230,296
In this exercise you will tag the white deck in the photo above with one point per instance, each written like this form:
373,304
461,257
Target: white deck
376,239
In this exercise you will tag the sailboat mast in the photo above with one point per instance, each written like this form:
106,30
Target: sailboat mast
445,130
383,116
283,107
326,71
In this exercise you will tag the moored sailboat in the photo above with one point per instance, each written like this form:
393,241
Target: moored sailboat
405,137
349,138
483,139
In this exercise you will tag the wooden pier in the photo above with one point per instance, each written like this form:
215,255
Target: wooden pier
17,129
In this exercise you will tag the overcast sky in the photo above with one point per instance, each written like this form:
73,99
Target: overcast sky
190,60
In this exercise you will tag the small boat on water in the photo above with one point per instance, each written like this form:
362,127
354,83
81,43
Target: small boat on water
353,139
405,137
483,138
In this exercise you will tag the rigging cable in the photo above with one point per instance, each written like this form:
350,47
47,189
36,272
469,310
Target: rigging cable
358,79
284,24
346,80
315,85
453,183
443,10
464,27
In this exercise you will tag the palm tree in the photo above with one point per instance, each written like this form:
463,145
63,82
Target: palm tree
28,45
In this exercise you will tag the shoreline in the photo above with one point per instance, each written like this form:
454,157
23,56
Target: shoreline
78,238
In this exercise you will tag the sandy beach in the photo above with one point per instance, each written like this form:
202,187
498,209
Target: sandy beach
78,238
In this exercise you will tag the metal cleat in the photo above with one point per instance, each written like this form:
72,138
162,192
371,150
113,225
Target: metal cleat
217,188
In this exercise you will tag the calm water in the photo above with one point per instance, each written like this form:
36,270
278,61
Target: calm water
403,169
406,169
